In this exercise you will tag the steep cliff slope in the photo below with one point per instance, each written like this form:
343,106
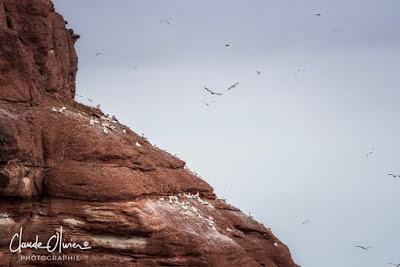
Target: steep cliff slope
66,165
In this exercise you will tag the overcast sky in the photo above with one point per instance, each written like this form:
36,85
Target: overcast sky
284,147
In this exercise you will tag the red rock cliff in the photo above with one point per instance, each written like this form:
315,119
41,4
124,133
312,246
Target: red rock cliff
65,164
37,52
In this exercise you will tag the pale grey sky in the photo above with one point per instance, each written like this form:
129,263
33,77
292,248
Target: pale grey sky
284,147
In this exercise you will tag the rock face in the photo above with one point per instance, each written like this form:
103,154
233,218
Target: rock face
37,52
65,167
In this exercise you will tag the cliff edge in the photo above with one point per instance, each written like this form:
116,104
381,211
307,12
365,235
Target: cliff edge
66,167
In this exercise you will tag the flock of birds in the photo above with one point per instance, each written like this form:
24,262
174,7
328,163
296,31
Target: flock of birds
371,152
213,92
361,247
390,174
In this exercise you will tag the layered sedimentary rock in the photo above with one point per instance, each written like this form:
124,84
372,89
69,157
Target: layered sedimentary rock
65,166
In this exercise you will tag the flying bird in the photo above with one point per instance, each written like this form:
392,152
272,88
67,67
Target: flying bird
212,92
336,30
82,96
306,221
363,248
318,14
166,21
233,86
227,45
98,54
208,104
259,72
397,265
394,175
371,152
135,67
298,71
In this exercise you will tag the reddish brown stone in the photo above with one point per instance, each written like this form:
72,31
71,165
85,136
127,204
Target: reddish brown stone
65,164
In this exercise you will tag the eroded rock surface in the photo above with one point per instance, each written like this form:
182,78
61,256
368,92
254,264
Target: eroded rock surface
66,165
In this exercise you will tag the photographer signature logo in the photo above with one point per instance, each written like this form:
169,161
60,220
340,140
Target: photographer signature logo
56,243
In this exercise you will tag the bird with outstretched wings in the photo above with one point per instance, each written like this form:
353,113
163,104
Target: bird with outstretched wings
371,152
363,247
208,103
212,92
233,86
165,21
